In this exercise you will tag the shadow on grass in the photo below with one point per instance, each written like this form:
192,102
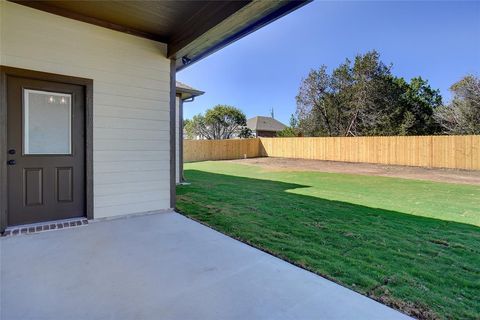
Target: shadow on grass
424,267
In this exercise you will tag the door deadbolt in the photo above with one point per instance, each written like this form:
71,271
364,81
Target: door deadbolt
11,151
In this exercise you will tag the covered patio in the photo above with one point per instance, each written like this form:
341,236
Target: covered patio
88,131
162,266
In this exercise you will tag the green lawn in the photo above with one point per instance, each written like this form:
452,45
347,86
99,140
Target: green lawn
414,245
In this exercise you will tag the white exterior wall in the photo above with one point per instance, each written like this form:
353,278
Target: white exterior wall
131,100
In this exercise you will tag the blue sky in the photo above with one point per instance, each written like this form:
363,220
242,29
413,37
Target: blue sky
439,41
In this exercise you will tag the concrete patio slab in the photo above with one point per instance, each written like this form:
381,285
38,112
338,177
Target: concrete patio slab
162,266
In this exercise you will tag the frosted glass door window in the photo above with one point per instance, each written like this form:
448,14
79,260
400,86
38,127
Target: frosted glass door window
47,122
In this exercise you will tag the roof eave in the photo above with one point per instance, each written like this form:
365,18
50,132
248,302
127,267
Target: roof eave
283,7
210,28
188,93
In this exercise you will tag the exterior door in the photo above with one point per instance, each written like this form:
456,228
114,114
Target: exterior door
46,151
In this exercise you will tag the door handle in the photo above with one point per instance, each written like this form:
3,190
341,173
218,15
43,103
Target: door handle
11,162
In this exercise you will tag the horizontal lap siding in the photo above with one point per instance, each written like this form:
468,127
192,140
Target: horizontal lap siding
131,100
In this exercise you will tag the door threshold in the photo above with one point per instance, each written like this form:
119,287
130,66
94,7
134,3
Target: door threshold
44,226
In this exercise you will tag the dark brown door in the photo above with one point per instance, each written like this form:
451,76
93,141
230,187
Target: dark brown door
46,151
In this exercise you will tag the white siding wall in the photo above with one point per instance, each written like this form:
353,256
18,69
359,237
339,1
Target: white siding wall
131,100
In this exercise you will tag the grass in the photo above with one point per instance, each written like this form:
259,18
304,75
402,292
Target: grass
413,245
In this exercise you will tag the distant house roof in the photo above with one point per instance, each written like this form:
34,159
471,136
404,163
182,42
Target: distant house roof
187,92
260,123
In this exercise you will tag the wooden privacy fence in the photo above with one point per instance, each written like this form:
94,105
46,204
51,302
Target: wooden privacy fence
200,150
458,152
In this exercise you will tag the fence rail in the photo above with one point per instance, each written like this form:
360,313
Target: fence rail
458,152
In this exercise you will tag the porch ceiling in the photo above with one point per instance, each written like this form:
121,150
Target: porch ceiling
191,29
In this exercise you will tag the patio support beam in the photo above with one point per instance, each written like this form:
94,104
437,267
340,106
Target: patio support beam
180,140
173,118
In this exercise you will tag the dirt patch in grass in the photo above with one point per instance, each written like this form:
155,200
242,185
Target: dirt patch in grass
417,173
418,311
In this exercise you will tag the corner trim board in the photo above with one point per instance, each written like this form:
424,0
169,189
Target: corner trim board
3,151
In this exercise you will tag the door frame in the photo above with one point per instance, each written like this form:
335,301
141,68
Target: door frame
5,72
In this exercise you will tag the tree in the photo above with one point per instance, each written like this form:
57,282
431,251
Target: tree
363,98
462,114
189,128
369,91
292,130
419,102
220,122
316,115
408,108
245,133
